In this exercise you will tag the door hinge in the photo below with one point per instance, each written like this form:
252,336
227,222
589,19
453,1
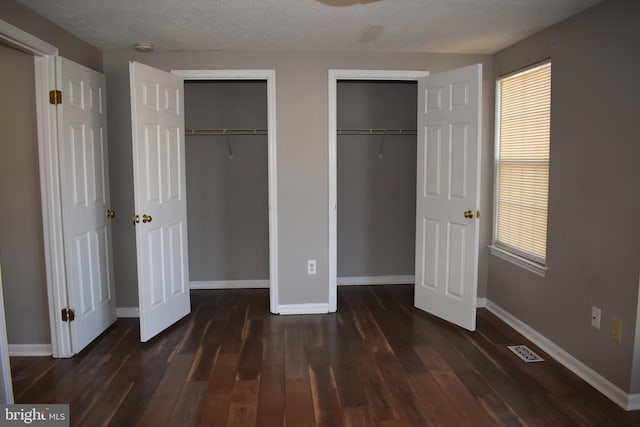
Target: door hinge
68,315
55,97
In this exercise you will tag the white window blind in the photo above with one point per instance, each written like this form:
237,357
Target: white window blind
524,107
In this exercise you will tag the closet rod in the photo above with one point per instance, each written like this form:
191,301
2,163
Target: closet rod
377,132
196,132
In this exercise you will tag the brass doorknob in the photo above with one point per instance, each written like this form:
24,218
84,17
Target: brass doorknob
111,213
136,219
146,218
468,214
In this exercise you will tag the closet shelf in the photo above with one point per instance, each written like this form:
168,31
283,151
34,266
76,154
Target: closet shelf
225,132
377,132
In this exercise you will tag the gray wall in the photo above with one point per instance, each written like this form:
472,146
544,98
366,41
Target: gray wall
302,105
21,241
376,195
593,231
227,198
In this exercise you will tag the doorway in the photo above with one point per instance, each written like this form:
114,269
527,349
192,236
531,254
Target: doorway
334,77
226,147
44,56
376,181
21,234
158,148
447,188
234,142
21,252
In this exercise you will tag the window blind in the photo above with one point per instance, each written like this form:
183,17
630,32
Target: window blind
524,112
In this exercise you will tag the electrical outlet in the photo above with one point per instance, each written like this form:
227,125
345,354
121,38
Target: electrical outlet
616,329
311,266
595,317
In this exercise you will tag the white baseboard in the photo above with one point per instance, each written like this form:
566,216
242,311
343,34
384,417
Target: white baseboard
626,401
634,402
303,308
481,303
229,284
127,312
376,280
30,350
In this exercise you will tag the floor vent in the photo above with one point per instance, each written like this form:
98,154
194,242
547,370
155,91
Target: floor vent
525,353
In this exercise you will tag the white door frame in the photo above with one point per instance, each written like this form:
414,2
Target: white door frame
44,62
334,76
270,77
6,385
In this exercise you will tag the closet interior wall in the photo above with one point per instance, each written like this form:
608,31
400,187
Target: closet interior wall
227,185
376,179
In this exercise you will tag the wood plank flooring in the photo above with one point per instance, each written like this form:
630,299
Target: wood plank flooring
376,362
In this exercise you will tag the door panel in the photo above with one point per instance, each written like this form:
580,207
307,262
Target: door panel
85,201
448,186
157,116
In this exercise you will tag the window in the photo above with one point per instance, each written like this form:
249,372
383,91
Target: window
523,107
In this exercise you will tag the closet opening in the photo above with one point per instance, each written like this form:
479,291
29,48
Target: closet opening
376,124
447,167
379,107
228,161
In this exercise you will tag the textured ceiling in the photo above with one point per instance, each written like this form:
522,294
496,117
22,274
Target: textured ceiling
462,26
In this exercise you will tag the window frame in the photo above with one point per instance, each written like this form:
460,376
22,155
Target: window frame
506,253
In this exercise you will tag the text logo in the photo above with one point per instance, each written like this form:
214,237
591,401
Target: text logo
34,415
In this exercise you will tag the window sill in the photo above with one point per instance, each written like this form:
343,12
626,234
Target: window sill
531,266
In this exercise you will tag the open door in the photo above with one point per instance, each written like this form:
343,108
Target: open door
84,177
448,194
157,119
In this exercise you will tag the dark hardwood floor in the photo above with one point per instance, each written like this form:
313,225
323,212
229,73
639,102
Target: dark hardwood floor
377,362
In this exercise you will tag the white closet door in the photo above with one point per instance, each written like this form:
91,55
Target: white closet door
157,117
448,194
84,178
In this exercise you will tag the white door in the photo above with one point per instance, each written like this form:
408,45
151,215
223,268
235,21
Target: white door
448,194
157,118
84,179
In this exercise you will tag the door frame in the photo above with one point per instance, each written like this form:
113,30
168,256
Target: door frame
334,76
270,77
45,79
6,384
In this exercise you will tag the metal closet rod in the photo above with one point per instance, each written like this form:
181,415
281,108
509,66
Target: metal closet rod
377,132
196,132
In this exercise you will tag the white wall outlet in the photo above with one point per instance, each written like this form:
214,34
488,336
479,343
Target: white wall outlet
311,266
595,317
